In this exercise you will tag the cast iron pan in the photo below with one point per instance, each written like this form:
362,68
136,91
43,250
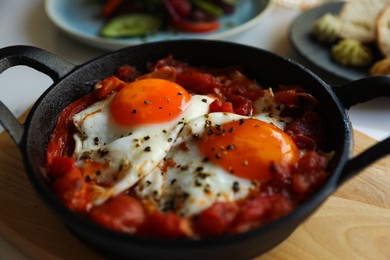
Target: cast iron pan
72,82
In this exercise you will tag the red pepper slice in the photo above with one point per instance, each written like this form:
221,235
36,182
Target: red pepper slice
61,138
60,166
110,7
195,27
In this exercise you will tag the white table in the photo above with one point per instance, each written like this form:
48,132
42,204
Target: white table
24,22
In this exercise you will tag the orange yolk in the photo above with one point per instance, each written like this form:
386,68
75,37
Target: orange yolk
149,101
248,148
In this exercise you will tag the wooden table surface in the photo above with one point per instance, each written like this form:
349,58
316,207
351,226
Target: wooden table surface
354,223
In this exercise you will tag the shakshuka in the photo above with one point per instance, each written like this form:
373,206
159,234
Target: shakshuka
185,151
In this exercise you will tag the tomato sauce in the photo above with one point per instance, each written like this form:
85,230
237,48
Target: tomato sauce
235,94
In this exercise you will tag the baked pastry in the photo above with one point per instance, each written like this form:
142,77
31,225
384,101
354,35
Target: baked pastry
381,67
383,31
352,53
358,19
326,28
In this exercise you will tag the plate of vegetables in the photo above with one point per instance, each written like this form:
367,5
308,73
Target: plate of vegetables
114,24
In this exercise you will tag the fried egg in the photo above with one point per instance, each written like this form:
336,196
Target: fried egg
123,138
156,139
217,157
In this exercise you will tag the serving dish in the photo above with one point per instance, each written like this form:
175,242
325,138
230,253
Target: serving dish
72,82
314,52
80,20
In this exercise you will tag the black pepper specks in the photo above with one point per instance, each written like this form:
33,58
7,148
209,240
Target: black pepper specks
230,147
199,169
103,152
147,149
87,179
184,167
203,175
236,186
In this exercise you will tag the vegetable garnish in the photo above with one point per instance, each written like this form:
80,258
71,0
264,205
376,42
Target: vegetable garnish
129,18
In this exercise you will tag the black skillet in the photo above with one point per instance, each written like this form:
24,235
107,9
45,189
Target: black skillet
72,82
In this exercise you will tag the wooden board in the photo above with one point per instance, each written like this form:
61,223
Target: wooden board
354,223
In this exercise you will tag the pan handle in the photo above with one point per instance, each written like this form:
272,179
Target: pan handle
363,90
360,91
369,156
41,60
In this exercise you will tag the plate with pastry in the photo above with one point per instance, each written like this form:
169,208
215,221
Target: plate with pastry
347,39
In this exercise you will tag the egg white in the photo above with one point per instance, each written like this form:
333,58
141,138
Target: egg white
137,156
130,152
267,110
191,183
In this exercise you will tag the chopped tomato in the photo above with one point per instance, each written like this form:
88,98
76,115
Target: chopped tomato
310,173
307,125
71,189
287,97
127,73
109,86
198,82
217,219
167,225
219,106
241,105
122,213
259,210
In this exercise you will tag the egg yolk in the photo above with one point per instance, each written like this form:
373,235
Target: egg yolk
149,101
248,148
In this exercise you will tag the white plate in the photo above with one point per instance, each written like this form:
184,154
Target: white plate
80,19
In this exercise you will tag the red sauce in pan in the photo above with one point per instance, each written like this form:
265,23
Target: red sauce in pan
235,94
